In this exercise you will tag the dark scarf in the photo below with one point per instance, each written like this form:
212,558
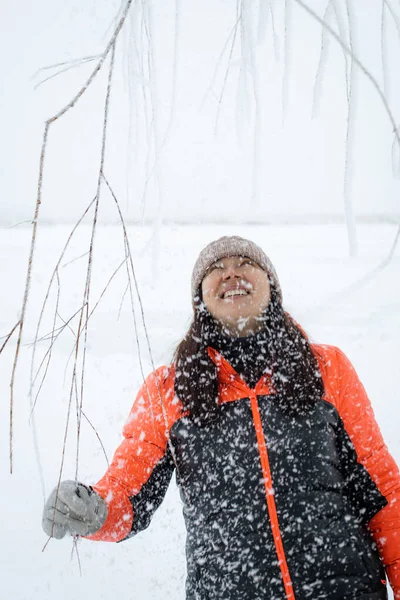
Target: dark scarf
248,355
279,347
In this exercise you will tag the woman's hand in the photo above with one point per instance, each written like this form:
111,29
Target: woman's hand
75,509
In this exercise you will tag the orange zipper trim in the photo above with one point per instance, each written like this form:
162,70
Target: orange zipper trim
269,493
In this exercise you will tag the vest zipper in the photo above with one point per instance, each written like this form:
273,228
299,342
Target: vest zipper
270,497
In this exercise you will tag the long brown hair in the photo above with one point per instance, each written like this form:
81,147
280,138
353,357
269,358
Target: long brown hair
294,368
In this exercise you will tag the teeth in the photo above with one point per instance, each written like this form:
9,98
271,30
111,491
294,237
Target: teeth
230,293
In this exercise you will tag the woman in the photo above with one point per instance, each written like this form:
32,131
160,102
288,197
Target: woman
288,489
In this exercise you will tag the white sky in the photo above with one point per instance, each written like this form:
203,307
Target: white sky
203,177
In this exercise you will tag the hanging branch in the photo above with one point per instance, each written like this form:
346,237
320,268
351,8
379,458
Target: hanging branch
334,6
263,11
342,34
351,98
349,145
233,34
383,53
321,64
287,57
82,327
356,61
86,296
387,7
129,257
395,18
172,114
48,123
157,140
275,37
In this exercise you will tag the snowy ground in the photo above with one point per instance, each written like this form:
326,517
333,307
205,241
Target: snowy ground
316,276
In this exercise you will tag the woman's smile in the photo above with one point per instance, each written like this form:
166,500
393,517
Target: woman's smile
236,291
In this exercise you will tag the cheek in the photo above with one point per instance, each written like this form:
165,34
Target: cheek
264,291
209,291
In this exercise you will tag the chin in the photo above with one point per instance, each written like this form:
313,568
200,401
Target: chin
241,324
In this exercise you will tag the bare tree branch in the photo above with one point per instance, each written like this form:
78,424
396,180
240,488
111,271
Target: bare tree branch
90,259
109,48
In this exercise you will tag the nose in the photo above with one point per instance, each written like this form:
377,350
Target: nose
230,272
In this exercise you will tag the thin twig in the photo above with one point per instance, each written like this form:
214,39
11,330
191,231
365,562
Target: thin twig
66,62
32,379
75,259
65,325
58,330
64,70
395,18
122,301
51,345
75,548
7,337
18,224
98,437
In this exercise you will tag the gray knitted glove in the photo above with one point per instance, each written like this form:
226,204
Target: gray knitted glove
79,511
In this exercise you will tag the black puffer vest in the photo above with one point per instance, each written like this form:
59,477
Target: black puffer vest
323,498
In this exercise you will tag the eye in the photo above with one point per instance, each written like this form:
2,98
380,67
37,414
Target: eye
215,266
246,261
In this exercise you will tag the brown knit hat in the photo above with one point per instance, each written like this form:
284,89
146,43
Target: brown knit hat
232,245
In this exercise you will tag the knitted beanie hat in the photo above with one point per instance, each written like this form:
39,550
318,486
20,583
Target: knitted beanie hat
232,246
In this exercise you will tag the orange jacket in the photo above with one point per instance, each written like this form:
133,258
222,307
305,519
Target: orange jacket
157,408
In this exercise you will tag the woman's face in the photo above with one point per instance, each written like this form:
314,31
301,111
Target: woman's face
236,291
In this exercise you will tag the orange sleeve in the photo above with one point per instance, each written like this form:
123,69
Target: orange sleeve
144,445
358,417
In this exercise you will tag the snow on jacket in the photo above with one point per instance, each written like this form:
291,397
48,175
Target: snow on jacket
276,506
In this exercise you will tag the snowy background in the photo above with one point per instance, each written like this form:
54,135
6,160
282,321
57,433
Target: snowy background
201,183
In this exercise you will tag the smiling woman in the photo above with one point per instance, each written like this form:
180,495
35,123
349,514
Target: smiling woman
288,489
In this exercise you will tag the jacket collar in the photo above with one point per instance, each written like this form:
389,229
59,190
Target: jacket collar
230,384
